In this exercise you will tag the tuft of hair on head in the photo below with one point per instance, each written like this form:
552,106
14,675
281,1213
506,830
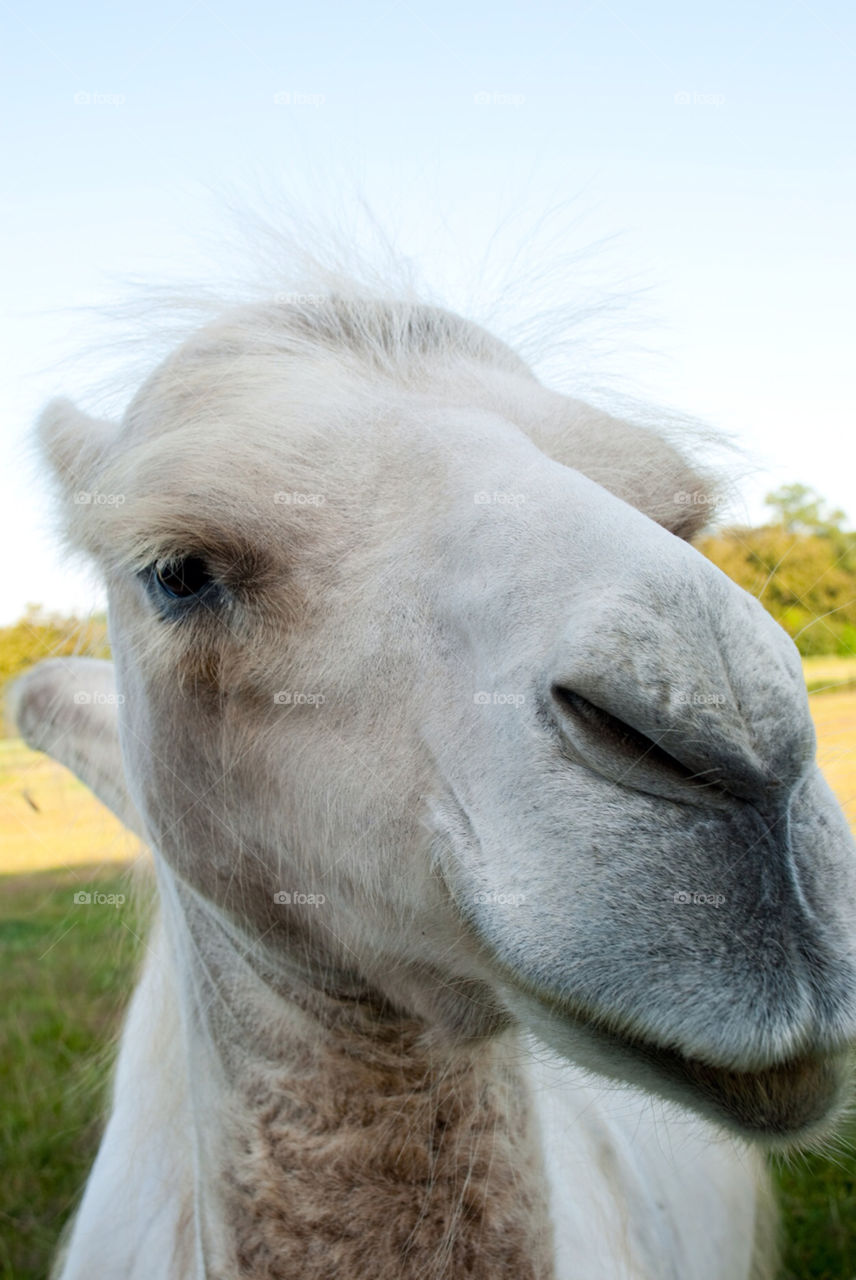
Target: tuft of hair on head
300,283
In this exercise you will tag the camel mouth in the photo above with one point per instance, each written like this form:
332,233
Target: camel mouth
784,1100
790,1100
793,1101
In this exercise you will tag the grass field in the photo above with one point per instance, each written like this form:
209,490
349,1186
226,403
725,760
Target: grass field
67,968
65,971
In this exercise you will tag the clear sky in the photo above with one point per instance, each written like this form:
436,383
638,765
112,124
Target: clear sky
716,141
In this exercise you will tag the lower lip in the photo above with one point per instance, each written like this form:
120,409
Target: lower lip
777,1101
790,1102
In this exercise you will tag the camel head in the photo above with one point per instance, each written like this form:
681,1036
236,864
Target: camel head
427,695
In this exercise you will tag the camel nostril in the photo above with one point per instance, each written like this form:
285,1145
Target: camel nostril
613,747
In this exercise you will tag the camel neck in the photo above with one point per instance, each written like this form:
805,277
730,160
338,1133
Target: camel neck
338,1139
386,1158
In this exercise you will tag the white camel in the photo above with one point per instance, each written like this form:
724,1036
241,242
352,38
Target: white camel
502,904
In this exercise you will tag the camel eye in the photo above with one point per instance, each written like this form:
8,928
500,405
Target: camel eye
183,578
181,582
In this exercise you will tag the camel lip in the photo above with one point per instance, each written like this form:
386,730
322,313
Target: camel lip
789,1100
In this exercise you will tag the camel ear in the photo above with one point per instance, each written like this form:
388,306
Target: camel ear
68,708
73,443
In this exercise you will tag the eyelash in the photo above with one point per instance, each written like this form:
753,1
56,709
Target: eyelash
177,586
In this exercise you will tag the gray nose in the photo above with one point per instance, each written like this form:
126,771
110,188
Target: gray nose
693,693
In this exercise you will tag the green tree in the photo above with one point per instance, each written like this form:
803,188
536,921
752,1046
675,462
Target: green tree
798,509
802,567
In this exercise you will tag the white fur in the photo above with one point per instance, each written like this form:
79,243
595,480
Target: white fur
535,719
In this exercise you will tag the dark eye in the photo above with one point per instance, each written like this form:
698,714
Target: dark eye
182,579
176,586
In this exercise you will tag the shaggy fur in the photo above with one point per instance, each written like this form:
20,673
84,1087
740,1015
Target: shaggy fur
374,1155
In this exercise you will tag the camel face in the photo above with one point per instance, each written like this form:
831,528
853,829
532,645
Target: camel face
438,716
671,887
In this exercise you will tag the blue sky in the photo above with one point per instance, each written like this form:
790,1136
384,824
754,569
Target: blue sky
714,141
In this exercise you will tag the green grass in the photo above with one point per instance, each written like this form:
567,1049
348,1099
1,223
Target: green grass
818,1200
65,973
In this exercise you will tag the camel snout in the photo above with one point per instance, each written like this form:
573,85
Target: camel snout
694,698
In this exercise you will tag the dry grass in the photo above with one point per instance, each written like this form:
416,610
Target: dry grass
50,820
835,721
829,673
